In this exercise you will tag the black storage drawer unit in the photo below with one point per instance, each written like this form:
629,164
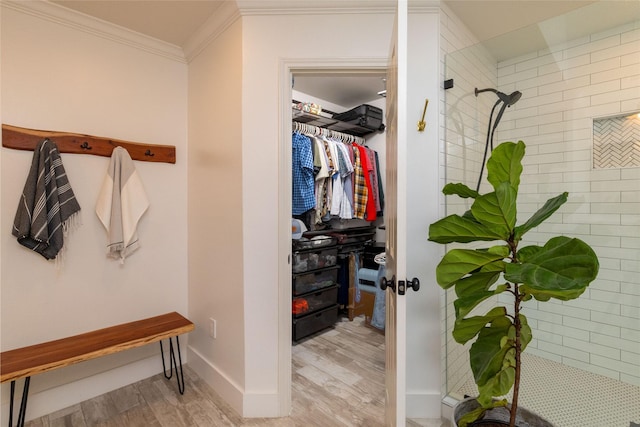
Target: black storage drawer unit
314,280
305,304
314,322
366,116
314,259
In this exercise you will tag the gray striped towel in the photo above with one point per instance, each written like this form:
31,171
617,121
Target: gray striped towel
47,204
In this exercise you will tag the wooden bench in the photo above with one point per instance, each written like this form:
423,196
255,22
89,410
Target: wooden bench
28,361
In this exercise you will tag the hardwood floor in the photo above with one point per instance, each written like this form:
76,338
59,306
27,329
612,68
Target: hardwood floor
338,381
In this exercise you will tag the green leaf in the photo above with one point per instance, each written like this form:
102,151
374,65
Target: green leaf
562,269
527,252
525,332
460,189
475,282
541,215
455,228
496,386
487,353
464,305
505,165
457,263
497,210
465,329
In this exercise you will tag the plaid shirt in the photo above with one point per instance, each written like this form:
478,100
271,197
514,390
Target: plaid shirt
360,191
303,197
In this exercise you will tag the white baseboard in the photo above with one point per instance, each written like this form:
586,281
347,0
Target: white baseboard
248,405
424,405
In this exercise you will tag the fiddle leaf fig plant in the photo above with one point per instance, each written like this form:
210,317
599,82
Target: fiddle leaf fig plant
562,269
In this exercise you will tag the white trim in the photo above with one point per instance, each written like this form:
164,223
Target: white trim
288,67
215,25
423,405
82,22
229,391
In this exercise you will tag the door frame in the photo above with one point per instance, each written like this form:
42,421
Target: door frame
287,68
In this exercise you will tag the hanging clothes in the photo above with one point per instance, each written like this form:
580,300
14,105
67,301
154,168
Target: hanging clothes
303,194
343,176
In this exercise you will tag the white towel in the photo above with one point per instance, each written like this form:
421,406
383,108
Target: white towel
121,203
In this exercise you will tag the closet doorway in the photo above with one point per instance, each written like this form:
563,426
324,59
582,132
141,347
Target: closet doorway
338,354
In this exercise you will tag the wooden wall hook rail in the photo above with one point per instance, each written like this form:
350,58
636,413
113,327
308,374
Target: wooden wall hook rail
27,139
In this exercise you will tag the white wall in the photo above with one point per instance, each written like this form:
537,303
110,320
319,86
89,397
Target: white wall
216,278
57,77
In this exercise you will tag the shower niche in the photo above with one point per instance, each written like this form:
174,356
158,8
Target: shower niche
616,141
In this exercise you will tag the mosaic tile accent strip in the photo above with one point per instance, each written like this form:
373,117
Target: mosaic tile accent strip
616,142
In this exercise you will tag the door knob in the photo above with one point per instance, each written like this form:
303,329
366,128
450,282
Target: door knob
413,284
384,283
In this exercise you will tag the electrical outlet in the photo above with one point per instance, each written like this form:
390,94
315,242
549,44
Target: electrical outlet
212,328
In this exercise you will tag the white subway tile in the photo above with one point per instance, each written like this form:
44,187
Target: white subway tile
621,185
566,84
609,373
630,334
615,96
630,105
631,264
587,67
594,46
614,51
629,59
617,253
628,368
632,173
618,73
565,167
594,89
598,110
556,188
592,348
603,285
630,242
615,342
602,328
614,320
631,196
628,219
554,107
629,311
563,351
630,379
629,34
596,304
620,276
565,310
622,208
538,61
561,330
544,354
631,82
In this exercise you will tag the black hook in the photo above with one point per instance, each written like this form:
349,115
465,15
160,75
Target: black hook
149,153
86,146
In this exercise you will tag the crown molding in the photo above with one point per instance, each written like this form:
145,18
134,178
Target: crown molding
79,21
218,22
314,7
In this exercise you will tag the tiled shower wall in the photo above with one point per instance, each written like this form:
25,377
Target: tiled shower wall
564,89
462,128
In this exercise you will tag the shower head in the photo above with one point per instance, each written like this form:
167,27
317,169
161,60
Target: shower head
509,100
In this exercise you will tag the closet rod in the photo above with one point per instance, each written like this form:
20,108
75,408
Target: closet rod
316,130
27,139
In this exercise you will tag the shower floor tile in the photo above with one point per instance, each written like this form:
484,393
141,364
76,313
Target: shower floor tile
571,397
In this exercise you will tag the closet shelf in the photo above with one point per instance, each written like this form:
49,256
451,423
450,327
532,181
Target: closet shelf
27,139
329,123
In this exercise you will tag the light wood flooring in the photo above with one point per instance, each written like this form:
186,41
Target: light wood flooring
338,380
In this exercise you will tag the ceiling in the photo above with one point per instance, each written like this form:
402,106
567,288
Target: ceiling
491,21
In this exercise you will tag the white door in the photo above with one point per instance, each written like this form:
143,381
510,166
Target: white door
395,212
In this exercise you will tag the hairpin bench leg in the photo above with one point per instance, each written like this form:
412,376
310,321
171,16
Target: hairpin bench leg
23,404
174,363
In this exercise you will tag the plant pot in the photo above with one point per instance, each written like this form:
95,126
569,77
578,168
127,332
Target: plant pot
499,417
